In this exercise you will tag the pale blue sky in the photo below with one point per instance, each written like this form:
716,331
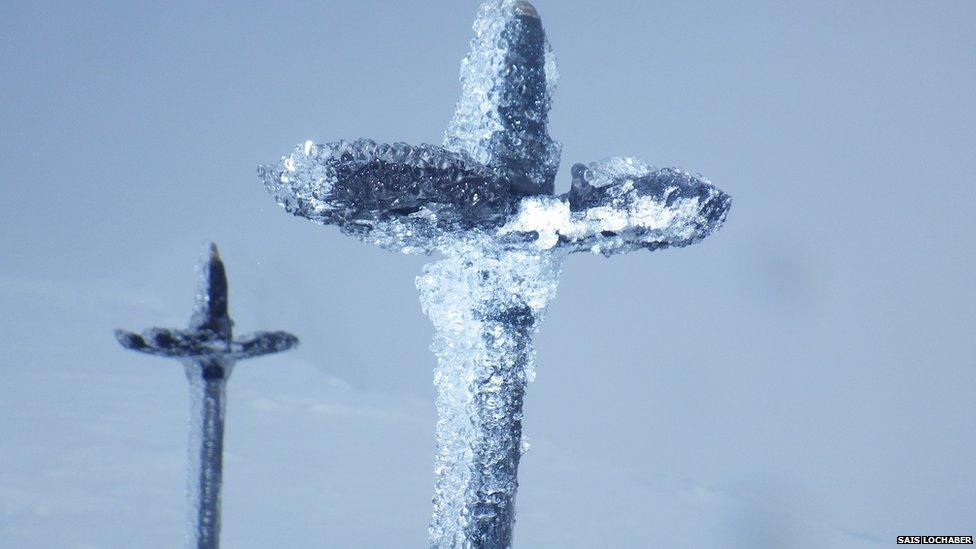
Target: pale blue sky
804,378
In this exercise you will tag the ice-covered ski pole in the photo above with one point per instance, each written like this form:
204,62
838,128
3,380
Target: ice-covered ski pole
208,352
485,200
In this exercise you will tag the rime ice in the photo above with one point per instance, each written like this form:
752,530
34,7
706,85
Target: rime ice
485,308
485,200
507,82
621,205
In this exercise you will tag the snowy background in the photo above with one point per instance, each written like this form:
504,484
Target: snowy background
803,379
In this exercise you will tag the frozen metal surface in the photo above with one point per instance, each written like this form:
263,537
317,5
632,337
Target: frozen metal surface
485,200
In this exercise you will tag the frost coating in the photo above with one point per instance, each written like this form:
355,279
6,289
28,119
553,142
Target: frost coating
621,205
402,197
507,82
485,201
420,199
485,308
208,403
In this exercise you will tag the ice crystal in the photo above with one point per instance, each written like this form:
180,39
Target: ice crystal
485,200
